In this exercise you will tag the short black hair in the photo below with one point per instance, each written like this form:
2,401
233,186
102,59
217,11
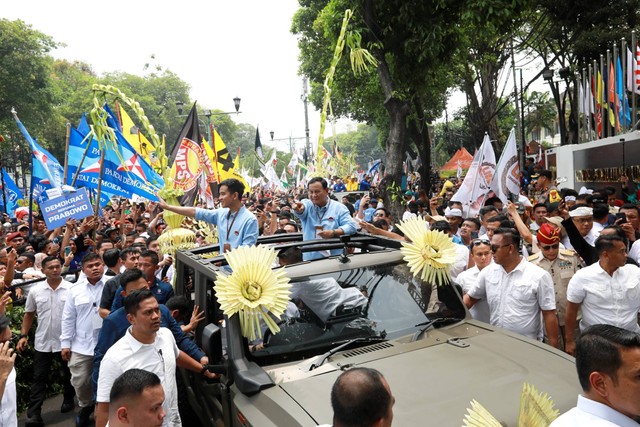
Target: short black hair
511,233
182,304
124,254
152,238
90,257
130,276
359,398
443,226
598,350
111,257
30,256
600,211
132,383
498,218
150,254
234,186
319,179
540,205
475,221
486,209
605,242
630,206
132,301
47,260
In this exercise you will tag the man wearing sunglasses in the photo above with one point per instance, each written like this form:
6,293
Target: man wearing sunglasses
481,256
516,290
561,264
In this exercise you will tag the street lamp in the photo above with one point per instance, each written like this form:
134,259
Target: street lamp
547,75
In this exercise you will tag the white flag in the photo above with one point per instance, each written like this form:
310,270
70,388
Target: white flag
632,71
506,180
475,186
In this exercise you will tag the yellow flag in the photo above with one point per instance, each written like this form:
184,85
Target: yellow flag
222,161
138,141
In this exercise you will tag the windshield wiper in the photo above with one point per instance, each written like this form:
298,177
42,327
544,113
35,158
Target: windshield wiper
342,346
429,323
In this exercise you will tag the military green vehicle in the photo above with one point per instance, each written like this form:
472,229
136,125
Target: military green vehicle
361,309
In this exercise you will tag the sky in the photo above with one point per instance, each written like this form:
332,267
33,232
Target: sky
222,49
242,48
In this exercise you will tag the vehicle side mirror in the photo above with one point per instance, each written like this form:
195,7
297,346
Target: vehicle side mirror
212,343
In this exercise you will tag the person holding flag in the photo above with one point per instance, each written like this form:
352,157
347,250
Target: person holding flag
237,226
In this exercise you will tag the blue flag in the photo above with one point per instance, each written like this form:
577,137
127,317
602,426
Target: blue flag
125,172
10,192
46,171
621,93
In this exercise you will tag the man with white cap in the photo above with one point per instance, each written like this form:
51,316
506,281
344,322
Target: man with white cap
561,264
607,292
582,218
454,217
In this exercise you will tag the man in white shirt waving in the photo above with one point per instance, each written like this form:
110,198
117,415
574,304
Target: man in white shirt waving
607,360
46,301
81,325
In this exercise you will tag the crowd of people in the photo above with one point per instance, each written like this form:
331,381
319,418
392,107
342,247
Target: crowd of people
550,265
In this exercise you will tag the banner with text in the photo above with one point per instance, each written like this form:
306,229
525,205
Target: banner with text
57,211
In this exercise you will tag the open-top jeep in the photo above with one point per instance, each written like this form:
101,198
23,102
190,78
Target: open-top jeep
435,357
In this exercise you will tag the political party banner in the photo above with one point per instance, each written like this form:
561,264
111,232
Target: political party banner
10,192
57,211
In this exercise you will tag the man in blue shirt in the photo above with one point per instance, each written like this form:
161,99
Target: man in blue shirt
116,324
237,226
339,186
322,218
365,184
163,291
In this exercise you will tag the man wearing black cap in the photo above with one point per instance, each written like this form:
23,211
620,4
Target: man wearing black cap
545,184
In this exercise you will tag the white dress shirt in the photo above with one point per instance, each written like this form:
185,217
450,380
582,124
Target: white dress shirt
634,252
48,305
611,300
159,358
9,403
466,279
81,322
462,261
516,298
589,413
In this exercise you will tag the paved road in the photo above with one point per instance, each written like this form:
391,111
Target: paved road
51,414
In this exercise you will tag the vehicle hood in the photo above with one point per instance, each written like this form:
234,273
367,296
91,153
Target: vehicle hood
434,385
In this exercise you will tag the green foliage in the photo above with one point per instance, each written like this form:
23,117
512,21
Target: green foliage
24,363
363,142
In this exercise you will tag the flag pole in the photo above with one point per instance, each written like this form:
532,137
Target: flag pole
605,120
66,150
623,65
84,156
97,207
634,66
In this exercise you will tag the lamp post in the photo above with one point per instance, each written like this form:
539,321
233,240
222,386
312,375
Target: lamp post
208,113
290,139
547,75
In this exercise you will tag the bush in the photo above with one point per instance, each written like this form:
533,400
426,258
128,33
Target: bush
24,362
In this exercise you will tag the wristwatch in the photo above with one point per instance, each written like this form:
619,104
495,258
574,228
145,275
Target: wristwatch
204,369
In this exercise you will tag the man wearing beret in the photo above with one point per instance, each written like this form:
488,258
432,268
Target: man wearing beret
15,240
561,264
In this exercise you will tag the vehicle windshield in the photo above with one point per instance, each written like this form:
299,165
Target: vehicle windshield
377,302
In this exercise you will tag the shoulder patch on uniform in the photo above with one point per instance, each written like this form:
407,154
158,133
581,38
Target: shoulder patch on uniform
554,196
568,252
533,257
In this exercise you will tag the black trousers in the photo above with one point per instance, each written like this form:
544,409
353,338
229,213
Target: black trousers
42,363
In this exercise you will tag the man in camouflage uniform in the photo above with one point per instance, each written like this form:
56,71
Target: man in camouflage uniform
549,193
561,264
